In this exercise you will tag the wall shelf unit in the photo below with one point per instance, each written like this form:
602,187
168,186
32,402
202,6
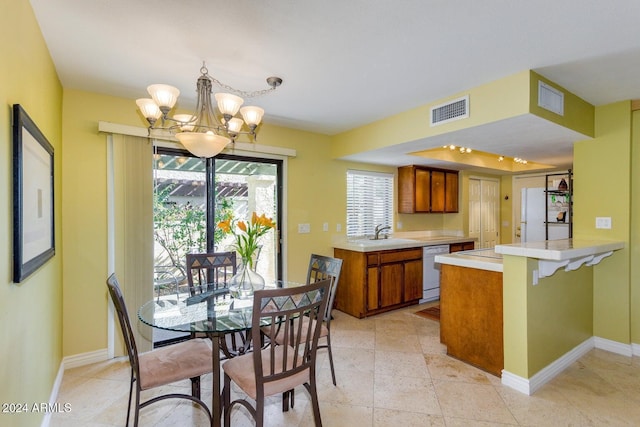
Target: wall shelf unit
559,205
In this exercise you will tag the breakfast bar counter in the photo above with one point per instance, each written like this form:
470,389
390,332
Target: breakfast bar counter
472,292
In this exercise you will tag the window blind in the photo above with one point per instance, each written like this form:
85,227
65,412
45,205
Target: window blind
369,202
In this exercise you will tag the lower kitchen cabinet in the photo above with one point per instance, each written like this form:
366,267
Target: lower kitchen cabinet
471,316
379,281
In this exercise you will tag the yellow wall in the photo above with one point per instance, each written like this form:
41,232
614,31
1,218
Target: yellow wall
578,114
560,315
543,321
602,177
514,297
634,241
30,312
505,98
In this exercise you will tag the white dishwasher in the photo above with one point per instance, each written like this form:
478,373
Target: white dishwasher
430,273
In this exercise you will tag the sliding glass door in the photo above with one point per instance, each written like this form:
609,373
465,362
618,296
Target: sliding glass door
191,195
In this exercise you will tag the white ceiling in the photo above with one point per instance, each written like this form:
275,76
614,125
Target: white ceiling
348,63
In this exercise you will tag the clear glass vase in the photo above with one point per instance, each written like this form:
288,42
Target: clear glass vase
246,281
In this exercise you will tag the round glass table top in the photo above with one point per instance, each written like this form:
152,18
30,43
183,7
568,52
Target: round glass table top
212,311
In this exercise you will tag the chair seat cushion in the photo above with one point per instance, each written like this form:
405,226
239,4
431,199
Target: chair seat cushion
241,370
305,327
175,362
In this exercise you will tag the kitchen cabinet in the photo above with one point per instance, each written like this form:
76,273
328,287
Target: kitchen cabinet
378,281
462,246
471,314
427,190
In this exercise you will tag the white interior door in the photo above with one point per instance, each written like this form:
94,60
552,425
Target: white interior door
484,211
490,191
475,210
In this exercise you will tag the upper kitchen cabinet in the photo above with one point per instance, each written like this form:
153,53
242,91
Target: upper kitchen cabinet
427,190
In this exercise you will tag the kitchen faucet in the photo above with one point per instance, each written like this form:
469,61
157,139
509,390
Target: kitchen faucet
380,228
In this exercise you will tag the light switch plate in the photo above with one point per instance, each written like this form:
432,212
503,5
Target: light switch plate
603,222
304,228
325,226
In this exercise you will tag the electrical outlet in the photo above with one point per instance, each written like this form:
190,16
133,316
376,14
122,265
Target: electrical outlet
338,227
304,228
603,222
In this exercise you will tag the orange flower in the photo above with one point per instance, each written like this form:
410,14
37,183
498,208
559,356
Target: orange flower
225,225
249,232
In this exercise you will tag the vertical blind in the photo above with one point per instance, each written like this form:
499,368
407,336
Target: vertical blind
369,201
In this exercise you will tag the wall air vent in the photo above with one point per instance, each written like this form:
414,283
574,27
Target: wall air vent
550,98
452,110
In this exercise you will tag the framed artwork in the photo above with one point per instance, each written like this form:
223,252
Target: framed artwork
33,225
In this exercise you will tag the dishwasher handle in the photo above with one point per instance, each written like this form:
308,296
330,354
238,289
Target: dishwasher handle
432,250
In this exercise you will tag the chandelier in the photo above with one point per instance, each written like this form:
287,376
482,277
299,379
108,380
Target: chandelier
205,133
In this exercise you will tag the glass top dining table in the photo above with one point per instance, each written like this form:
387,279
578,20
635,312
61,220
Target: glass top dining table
214,313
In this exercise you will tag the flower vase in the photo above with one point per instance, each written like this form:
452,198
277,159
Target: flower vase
246,280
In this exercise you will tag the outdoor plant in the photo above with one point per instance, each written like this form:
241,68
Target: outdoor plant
181,228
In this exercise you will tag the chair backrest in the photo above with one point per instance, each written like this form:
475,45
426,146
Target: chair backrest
209,271
322,268
275,312
125,325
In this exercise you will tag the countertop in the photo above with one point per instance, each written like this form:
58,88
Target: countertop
367,245
551,254
560,250
481,259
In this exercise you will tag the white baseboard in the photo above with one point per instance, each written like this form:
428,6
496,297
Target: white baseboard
67,363
85,358
54,395
614,346
530,385
546,374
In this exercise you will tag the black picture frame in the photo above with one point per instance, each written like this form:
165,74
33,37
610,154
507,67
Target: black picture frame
33,198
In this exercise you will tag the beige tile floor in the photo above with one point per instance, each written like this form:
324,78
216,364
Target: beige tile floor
391,371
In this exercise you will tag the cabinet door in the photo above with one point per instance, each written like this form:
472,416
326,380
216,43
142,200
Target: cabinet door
391,284
423,190
437,191
406,189
373,296
412,280
463,246
451,192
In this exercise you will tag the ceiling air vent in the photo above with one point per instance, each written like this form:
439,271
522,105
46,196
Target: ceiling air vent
452,110
550,98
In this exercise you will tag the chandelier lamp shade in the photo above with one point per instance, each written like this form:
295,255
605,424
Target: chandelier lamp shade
208,130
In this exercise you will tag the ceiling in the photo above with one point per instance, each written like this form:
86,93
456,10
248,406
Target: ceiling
349,63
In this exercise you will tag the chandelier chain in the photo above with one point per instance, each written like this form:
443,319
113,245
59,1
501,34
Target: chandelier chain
242,93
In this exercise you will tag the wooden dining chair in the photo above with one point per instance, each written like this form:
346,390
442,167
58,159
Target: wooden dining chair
278,368
188,359
209,271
